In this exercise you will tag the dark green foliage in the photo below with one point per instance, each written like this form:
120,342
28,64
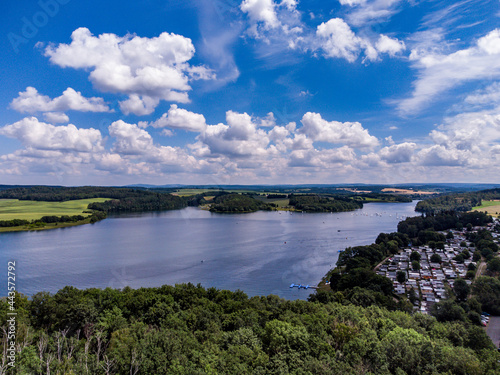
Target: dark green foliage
412,296
494,265
144,201
62,194
366,279
96,216
436,258
461,289
277,196
401,277
447,311
187,329
368,255
381,197
415,255
317,203
61,219
487,291
234,203
402,240
460,202
422,229
13,223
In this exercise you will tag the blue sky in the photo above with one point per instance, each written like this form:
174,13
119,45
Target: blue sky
251,91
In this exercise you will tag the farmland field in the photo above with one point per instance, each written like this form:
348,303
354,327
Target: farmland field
29,210
491,207
190,192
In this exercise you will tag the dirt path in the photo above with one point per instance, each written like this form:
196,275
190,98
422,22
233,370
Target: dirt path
480,269
378,265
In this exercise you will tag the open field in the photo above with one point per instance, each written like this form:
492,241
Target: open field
491,207
406,191
354,190
280,202
30,210
189,192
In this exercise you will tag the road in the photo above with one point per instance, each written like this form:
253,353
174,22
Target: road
493,330
480,269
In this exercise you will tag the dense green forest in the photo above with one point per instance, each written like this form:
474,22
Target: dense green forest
456,202
61,193
190,330
147,201
94,217
123,199
233,203
415,226
317,203
381,197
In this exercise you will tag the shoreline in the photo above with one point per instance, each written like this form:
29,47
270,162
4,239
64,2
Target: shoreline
48,226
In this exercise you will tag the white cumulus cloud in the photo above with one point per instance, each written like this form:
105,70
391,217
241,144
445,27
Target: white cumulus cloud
56,117
239,138
338,40
276,23
441,156
146,69
389,45
349,133
321,158
139,105
42,136
31,101
179,118
130,139
261,11
400,153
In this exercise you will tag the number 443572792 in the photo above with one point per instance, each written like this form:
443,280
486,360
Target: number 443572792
11,284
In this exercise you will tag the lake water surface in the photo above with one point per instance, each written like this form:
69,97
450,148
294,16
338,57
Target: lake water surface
260,253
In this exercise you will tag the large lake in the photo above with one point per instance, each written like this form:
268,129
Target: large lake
260,253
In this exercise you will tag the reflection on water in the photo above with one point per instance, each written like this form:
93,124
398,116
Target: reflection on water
260,253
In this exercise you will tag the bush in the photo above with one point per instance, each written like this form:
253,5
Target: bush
436,258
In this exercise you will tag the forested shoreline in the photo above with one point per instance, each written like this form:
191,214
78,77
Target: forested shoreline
317,203
120,200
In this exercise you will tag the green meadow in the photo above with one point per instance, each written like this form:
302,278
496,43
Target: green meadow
30,210
491,207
